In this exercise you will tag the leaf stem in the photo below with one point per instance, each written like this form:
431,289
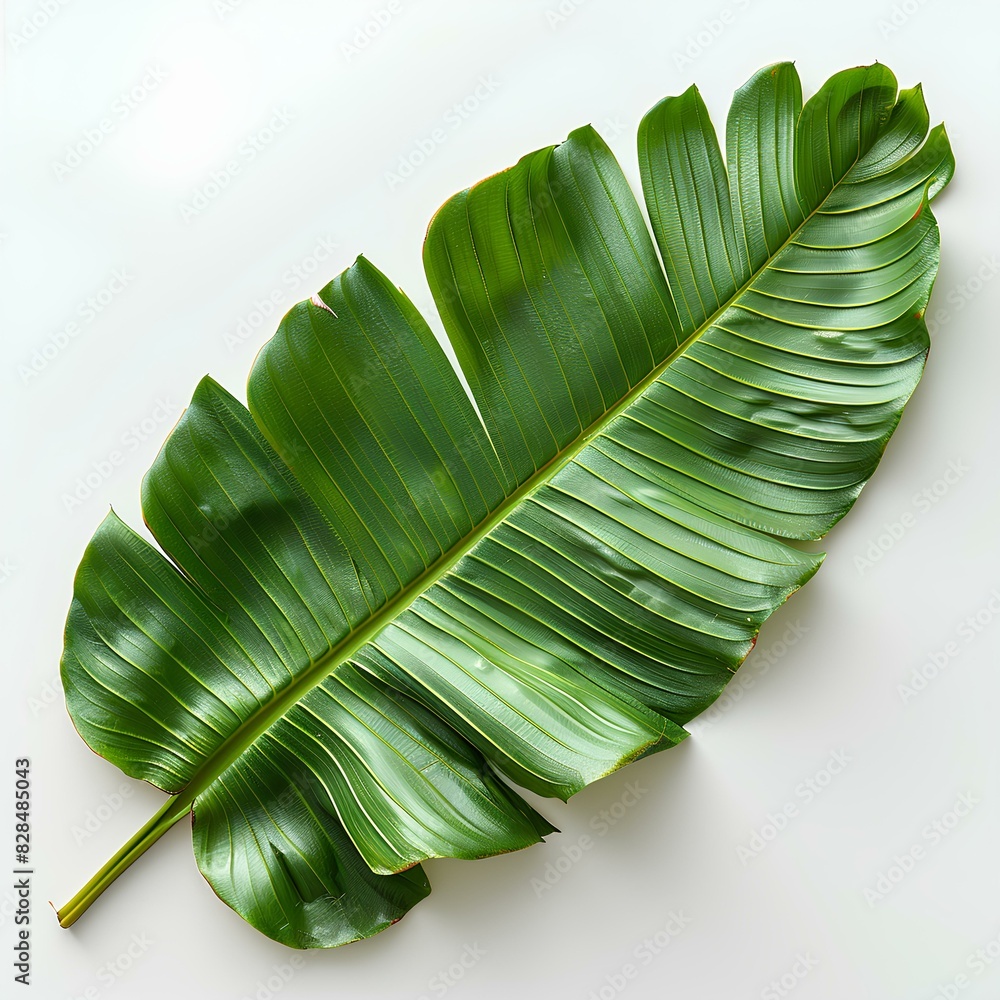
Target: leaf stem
173,810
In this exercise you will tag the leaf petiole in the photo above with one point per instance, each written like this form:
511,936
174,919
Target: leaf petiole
173,810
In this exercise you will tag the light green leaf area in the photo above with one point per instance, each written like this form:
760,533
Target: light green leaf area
376,612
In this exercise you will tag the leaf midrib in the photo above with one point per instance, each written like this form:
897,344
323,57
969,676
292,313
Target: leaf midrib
238,742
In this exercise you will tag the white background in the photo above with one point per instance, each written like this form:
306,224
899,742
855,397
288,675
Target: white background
860,628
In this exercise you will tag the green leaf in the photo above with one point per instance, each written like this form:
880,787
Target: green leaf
377,611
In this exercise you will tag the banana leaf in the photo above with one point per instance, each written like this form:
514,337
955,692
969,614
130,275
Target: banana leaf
375,607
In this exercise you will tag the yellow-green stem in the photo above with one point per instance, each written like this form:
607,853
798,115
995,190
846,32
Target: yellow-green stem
176,808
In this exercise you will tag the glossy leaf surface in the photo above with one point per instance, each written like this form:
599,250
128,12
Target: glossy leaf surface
376,611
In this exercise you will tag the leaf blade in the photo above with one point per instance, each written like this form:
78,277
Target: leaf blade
558,591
